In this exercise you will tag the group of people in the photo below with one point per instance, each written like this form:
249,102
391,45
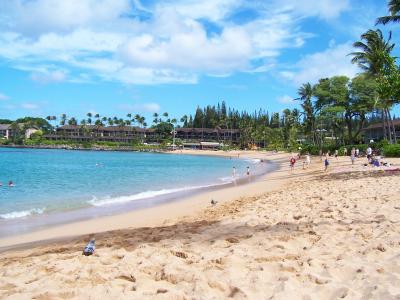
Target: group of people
373,157
234,172
10,184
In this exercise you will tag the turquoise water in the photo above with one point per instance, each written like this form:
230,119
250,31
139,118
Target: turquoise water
54,181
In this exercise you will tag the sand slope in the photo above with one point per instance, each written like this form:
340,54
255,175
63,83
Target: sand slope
328,236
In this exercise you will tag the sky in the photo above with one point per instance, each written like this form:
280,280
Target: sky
115,57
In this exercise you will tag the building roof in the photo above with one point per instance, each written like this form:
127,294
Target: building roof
379,125
103,128
207,130
5,126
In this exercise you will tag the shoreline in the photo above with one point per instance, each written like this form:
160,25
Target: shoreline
189,203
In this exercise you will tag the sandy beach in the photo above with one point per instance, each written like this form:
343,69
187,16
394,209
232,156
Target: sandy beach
301,235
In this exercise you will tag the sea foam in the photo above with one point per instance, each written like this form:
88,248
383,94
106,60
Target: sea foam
143,195
22,213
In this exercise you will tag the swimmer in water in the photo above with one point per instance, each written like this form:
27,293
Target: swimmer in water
10,183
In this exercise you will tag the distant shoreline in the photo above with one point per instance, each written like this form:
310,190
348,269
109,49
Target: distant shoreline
97,148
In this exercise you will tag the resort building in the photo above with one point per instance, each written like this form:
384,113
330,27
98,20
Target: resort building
5,131
129,134
375,131
29,131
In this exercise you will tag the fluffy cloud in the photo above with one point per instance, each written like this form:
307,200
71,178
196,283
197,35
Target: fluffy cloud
286,99
333,61
30,106
49,77
150,107
166,42
325,9
45,16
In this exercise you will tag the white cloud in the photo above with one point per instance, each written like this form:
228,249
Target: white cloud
333,61
30,106
325,9
44,16
171,45
214,10
3,97
48,77
150,107
286,99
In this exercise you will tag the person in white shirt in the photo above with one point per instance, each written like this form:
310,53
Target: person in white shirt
369,153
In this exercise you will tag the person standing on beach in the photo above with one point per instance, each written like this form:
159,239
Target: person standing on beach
357,152
345,151
320,154
353,155
248,171
369,153
326,162
292,162
308,160
234,172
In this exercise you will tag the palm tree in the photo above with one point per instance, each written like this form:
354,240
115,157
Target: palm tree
72,121
372,57
394,10
306,92
155,120
89,120
184,120
63,119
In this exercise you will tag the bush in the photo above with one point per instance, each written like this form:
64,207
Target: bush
391,150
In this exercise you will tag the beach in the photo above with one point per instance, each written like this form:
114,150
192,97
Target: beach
308,234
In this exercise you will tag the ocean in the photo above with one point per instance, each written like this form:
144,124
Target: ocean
56,186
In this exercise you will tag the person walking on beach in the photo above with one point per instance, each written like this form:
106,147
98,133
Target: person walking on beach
308,160
353,155
248,171
292,162
326,162
357,152
234,172
320,154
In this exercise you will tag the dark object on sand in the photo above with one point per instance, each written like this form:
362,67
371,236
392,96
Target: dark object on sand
213,202
89,249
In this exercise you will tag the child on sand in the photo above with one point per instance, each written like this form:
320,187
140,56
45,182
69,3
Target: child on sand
326,162
353,155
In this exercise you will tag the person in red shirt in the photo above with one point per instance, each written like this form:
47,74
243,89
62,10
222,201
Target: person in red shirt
292,162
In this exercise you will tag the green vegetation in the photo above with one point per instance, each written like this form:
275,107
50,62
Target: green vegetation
392,150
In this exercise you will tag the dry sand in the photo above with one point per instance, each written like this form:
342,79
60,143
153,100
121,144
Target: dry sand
307,235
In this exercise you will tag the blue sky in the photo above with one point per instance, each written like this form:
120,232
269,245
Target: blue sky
117,56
